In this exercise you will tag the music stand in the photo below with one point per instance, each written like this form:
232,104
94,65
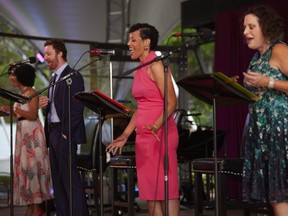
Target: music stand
106,108
217,89
2,113
12,97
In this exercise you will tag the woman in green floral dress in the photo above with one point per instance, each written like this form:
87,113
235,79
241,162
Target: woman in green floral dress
265,173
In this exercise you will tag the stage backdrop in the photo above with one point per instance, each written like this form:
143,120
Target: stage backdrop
232,58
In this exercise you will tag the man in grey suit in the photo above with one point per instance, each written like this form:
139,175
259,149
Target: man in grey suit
56,107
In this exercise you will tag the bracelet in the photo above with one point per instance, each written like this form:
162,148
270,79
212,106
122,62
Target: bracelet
155,128
271,83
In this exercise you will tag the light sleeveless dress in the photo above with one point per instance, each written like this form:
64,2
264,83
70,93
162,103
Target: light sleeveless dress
32,178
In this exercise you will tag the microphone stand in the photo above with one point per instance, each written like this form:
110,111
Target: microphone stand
166,161
11,161
69,84
20,99
165,55
12,97
158,58
165,61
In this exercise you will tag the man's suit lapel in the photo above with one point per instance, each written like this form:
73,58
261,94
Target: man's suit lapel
61,85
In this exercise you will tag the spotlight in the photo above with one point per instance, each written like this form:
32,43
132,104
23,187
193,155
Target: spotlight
40,57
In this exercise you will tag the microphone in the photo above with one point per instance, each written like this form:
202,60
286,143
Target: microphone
194,114
204,33
116,52
30,60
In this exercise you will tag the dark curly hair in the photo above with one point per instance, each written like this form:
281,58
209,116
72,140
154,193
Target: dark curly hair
24,73
146,32
271,23
59,46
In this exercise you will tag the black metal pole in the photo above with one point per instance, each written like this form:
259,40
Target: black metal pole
166,158
100,162
69,83
215,158
11,161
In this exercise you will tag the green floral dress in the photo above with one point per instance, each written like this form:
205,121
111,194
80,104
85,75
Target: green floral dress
265,172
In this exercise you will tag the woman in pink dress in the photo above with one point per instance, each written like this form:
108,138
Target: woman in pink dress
32,178
148,120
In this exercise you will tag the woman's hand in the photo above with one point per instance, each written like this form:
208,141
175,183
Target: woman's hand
153,129
5,109
116,145
255,79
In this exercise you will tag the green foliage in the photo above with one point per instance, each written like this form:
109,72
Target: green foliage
5,180
193,68
14,49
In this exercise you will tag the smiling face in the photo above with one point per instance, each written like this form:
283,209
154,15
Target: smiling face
139,48
13,80
253,34
52,57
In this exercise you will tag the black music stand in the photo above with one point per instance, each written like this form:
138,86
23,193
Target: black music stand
106,108
2,113
219,90
12,97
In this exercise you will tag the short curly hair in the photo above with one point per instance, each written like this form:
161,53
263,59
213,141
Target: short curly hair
271,23
24,73
146,32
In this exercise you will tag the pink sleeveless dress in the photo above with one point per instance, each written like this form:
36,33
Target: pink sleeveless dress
148,150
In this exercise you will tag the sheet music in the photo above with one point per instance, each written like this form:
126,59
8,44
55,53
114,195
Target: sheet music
99,102
112,101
